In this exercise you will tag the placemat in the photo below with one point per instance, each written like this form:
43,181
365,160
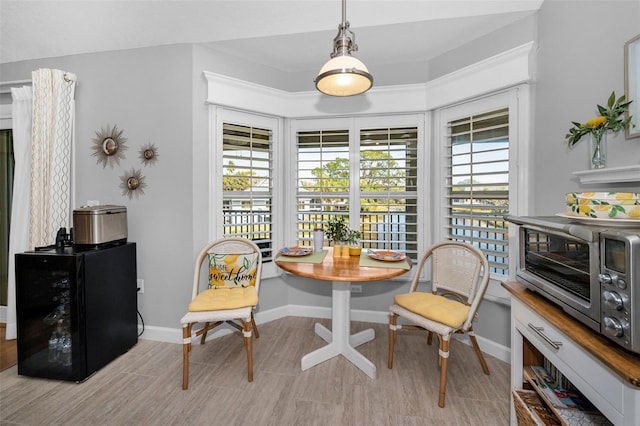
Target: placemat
365,260
316,257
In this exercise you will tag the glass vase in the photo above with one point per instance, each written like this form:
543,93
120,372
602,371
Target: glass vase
598,150
354,248
337,248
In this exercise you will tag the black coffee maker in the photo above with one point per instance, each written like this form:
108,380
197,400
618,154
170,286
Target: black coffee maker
63,239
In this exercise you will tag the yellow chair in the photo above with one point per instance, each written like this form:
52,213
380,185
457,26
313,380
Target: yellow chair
459,279
234,266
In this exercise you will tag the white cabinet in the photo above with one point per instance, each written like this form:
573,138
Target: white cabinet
540,329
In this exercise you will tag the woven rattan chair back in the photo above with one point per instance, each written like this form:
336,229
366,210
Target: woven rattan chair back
239,317
457,269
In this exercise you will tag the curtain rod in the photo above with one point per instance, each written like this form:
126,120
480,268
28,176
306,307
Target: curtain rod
12,83
68,76
5,86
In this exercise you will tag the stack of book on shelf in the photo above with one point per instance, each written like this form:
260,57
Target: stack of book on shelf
531,410
570,405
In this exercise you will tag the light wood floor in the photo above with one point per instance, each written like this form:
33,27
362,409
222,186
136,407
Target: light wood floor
143,387
8,350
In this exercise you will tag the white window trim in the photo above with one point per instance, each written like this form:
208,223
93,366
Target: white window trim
504,70
517,100
219,116
5,116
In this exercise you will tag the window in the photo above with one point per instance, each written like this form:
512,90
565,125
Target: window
388,188
478,184
323,179
481,153
247,205
370,181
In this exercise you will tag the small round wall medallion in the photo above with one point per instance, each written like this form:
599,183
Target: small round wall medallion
149,154
133,183
109,146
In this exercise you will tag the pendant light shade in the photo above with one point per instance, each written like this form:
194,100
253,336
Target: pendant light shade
344,75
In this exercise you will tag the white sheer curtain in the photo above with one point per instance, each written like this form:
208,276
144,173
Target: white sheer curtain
19,234
52,133
43,119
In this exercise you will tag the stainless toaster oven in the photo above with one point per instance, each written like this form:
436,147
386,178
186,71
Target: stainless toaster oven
591,271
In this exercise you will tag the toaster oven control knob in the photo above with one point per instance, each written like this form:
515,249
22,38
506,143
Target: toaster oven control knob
607,279
613,300
622,284
613,327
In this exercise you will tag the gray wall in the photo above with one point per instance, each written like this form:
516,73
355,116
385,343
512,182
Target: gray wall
158,95
147,93
580,62
508,37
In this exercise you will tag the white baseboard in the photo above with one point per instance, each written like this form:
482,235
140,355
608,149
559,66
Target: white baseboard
174,335
489,347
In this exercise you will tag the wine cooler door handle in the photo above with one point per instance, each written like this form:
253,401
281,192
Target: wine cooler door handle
540,332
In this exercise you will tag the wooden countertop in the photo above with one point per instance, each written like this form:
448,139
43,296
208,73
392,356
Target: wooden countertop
341,269
624,363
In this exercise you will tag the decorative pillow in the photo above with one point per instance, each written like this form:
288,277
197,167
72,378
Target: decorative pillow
434,307
227,270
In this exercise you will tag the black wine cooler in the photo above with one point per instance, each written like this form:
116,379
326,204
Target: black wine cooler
76,310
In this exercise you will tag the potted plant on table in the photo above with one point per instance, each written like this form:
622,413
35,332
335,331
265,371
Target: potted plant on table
337,230
346,241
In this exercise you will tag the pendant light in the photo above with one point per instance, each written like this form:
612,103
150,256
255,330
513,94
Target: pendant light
344,75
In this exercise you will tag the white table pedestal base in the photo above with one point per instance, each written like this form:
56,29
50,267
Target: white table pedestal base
340,342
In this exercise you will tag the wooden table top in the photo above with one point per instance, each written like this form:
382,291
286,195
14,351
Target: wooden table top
624,363
341,269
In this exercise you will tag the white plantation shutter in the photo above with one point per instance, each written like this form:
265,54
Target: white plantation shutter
247,185
322,188
478,184
385,190
388,189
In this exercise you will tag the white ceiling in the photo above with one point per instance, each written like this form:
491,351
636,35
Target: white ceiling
293,35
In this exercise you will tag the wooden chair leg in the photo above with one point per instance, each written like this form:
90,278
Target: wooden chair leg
392,338
254,326
247,343
203,337
474,342
186,348
443,356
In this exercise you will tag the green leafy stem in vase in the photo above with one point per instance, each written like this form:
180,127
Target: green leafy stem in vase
607,120
338,230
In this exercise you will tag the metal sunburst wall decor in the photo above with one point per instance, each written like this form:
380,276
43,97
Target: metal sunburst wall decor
109,146
133,183
149,154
